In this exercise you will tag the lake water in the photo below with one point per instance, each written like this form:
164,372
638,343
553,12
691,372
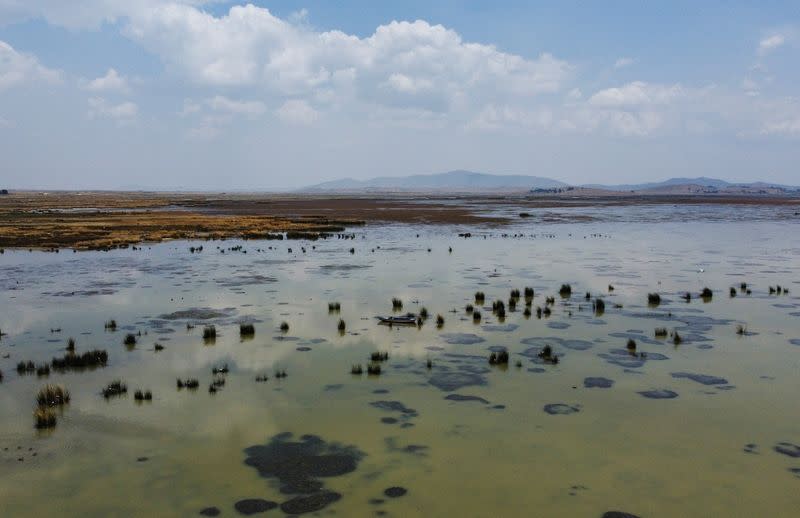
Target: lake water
708,427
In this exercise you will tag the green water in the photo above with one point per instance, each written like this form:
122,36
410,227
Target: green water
621,451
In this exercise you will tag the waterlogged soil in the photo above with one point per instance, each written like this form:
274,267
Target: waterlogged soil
279,425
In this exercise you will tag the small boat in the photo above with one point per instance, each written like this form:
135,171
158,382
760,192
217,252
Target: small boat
406,320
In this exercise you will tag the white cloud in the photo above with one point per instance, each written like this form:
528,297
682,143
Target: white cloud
17,68
297,111
771,43
224,104
100,108
111,82
623,62
250,47
637,93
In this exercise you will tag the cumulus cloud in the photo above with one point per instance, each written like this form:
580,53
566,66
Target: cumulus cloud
17,68
637,93
100,108
249,46
110,82
770,43
297,111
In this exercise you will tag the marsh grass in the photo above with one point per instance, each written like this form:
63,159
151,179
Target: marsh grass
52,395
741,329
71,344
706,294
26,367
209,333
247,330
499,358
43,370
480,298
44,418
341,326
374,369
334,307
129,340
72,361
526,312
115,388
423,313
357,370
732,292
653,299
158,347
140,395
379,356
677,339
631,345
110,325
476,317
439,321
599,307
469,309
565,291
660,332
397,304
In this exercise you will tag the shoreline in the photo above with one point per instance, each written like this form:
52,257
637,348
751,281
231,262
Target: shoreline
102,220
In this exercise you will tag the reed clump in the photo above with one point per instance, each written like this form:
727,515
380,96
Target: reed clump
660,332
476,317
89,359
110,325
565,291
499,358
653,299
209,333
247,330
357,370
44,418
129,340
284,327
397,304
52,395
115,388
439,321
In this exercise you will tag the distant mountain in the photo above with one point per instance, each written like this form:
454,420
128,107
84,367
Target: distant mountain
712,183
465,181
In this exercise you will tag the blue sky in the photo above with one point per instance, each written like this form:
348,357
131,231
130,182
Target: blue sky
273,95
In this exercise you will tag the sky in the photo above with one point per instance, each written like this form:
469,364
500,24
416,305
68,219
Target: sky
205,94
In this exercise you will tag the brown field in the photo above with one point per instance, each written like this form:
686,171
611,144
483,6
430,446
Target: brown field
102,220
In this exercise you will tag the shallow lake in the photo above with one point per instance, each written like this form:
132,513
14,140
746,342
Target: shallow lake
708,426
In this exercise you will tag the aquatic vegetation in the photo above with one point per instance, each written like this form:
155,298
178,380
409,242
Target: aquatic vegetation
439,321
469,308
547,311
342,326
480,298
379,356
247,330
515,294
130,340
631,345
71,344
220,370
209,333
476,316
44,418
429,364
110,325
660,332
599,307
374,369
25,367
397,304
499,308
549,301
284,327
499,358
423,313
356,370
538,312
158,347
528,292
676,338
52,395
280,373
733,292
610,288
43,370
334,307
115,388
741,329
527,312
588,296
143,396
565,291
89,359
653,299
512,304
687,297
706,294
547,355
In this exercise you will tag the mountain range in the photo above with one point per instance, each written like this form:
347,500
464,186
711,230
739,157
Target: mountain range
469,181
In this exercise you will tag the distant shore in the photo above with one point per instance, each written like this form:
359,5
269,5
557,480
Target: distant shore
85,220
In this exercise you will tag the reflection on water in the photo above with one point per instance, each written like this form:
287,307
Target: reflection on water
591,412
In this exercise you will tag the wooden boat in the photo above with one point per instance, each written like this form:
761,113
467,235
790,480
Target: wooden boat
405,320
